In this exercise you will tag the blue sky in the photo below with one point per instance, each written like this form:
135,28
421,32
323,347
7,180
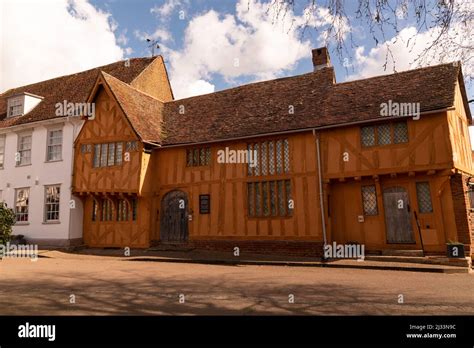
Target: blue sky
143,18
208,45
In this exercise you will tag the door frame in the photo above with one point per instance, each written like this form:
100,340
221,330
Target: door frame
163,212
411,200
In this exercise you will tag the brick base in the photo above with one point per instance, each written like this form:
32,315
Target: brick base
462,213
289,248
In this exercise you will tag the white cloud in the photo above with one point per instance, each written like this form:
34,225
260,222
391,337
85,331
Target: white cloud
166,9
122,39
401,51
248,44
46,39
406,46
160,34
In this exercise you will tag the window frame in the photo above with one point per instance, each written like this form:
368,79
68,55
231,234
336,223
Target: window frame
377,210
263,202
275,149
3,144
46,203
375,132
30,149
103,149
121,204
417,184
109,216
20,103
27,213
49,145
196,154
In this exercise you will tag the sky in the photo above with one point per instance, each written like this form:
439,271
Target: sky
208,45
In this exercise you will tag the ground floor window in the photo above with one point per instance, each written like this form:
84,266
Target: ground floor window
423,196
51,204
369,200
107,210
114,209
122,210
22,199
95,208
269,198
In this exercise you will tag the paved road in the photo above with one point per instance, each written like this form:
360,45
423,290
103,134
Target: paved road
109,285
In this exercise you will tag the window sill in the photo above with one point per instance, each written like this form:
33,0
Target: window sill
23,165
53,161
51,222
22,223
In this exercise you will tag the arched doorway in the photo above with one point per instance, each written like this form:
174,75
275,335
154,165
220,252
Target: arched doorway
397,215
174,217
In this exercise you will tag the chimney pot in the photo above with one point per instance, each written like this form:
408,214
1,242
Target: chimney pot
321,58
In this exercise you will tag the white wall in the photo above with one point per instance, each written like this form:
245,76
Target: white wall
60,172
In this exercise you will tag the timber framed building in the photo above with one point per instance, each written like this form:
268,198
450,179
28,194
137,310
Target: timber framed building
329,166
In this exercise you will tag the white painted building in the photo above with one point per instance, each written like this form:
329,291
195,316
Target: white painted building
35,180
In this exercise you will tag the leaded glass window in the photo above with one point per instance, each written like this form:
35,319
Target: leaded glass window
400,132
423,196
383,134
367,135
269,198
369,200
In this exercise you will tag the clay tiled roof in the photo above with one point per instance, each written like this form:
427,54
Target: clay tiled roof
74,88
143,111
264,107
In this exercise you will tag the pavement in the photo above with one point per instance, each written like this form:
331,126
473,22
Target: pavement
60,283
427,264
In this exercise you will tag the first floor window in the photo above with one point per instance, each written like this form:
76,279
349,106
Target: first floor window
52,203
22,196
107,155
369,200
269,158
2,150
24,149
198,157
269,198
384,134
367,136
55,145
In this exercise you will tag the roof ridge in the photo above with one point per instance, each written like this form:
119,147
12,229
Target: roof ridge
400,72
279,79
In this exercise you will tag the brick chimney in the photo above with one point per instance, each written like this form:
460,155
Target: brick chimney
321,58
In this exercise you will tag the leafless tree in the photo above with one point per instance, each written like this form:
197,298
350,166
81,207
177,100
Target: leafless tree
449,24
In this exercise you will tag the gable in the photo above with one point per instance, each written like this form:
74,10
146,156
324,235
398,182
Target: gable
154,81
109,124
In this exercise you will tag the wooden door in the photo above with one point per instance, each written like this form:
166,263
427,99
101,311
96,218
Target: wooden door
397,215
174,218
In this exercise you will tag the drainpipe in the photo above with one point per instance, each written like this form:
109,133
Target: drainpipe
321,199
74,131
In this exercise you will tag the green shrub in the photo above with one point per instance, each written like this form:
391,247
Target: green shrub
7,220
